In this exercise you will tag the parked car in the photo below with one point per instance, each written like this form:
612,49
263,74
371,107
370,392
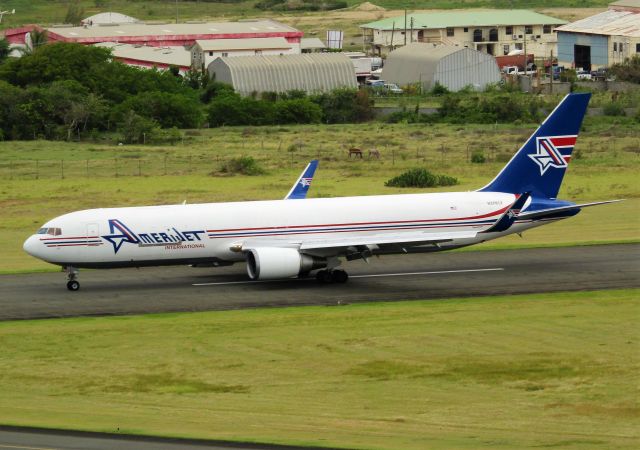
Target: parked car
393,88
583,74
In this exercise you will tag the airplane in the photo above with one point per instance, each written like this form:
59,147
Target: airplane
281,239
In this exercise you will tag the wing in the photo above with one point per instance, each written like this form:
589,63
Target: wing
301,186
358,245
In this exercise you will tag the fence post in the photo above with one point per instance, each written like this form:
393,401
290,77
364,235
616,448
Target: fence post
11,169
393,157
87,168
62,168
139,167
115,161
190,156
165,165
37,169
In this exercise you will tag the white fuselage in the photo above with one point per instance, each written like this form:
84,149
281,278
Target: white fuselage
190,234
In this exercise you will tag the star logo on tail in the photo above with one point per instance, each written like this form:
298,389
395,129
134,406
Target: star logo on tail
547,155
305,182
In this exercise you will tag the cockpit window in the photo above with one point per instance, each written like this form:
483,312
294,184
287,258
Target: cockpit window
51,231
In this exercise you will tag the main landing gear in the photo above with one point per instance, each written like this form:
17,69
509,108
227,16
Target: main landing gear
72,274
325,276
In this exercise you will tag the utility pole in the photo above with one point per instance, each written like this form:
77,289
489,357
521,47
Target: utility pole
405,27
176,11
551,73
411,40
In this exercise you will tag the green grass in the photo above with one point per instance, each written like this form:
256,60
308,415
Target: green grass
553,370
607,169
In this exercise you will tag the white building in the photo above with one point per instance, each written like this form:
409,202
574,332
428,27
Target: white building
495,32
204,52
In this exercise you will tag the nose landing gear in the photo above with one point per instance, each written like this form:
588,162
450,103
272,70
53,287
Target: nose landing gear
72,274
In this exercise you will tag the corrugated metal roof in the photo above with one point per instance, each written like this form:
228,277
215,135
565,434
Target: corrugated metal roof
610,23
110,17
178,56
311,72
467,19
243,44
173,29
310,43
452,66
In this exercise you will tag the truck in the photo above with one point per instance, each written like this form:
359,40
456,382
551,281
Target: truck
514,60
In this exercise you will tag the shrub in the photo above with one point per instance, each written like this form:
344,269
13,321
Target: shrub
478,158
244,165
421,178
439,89
613,109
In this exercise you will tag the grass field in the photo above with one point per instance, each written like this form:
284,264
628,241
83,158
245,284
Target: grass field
555,370
607,168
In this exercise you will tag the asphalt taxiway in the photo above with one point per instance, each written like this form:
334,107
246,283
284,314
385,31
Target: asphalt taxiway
389,278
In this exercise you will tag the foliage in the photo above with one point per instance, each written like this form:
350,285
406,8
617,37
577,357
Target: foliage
167,109
345,105
75,13
244,165
215,89
480,108
135,128
613,109
629,70
478,158
421,178
439,89
302,5
5,49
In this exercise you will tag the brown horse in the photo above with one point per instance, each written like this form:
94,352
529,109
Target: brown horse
356,152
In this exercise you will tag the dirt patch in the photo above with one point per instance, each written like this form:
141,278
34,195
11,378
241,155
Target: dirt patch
368,6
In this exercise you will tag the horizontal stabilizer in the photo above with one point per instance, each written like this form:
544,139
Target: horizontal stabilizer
510,216
542,213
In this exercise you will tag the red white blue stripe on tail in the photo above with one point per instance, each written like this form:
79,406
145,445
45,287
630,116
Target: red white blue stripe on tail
540,164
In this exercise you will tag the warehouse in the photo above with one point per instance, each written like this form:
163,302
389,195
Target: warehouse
163,35
310,72
496,32
601,40
451,66
205,51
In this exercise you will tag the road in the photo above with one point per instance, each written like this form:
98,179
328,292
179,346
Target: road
402,277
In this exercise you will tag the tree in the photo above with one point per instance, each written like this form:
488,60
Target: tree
629,70
5,49
75,13
134,128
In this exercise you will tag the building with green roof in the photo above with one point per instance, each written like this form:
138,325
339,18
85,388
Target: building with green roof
497,32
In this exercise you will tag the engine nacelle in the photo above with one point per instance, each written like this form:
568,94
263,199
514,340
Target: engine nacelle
269,263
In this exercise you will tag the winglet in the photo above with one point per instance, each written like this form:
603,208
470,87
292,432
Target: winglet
510,216
301,186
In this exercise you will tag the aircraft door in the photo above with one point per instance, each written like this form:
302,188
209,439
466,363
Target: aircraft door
93,231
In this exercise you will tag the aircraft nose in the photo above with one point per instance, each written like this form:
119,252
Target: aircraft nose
31,246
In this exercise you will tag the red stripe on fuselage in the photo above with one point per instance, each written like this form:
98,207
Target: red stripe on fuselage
283,227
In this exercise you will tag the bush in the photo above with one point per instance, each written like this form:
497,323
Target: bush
478,158
439,89
421,178
613,109
244,165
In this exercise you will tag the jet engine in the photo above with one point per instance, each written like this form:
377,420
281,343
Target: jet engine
270,263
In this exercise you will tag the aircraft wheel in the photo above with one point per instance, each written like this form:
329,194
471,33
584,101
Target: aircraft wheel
339,276
323,276
73,285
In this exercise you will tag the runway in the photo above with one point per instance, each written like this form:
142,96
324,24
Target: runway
17,438
389,278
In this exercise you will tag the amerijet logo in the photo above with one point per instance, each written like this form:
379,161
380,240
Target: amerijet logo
121,234
304,182
548,152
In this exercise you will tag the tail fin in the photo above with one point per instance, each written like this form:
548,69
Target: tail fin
539,166
301,186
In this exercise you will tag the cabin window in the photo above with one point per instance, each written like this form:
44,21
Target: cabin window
615,46
546,29
450,32
465,29
528,29
225,54
509,30
637,48
505,49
